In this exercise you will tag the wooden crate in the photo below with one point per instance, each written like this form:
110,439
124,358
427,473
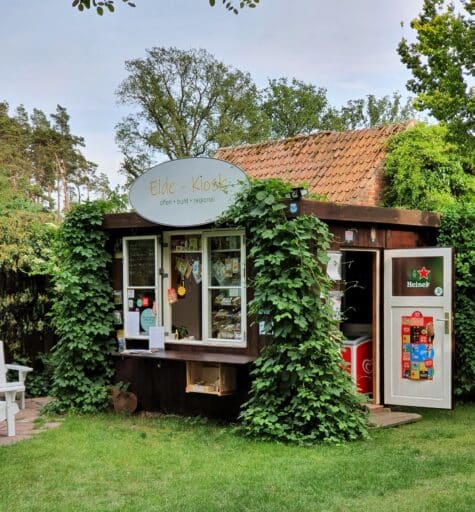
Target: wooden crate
210,378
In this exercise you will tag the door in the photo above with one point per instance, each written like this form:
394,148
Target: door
418,346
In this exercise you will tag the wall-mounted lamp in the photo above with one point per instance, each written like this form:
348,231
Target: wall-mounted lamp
298,192
372,235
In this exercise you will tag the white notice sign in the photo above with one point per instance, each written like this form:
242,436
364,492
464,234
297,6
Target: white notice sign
133,323
157,338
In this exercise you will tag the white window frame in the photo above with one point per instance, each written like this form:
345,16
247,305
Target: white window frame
126,287
204,235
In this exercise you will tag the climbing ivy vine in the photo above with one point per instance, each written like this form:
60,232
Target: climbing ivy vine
82,312
300,392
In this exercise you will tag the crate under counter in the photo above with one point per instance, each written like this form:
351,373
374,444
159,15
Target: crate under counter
210,378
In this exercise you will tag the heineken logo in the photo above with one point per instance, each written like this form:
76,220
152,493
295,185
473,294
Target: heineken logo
419,278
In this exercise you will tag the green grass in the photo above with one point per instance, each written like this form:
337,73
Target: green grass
114,463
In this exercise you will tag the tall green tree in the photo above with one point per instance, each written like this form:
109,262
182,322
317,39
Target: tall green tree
442,62
294,107
187,104
43,160
371,111
14,143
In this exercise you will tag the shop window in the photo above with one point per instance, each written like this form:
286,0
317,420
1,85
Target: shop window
206,288
141,309
225,285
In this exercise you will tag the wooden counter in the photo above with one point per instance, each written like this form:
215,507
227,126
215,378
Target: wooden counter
181,355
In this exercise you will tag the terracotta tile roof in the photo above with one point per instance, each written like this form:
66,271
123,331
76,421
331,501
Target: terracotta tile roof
344,167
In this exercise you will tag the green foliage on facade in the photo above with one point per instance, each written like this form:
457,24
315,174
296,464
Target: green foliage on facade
82,312
457,231
424,171
300,392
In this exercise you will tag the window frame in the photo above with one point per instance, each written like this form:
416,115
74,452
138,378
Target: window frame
126,287
207,340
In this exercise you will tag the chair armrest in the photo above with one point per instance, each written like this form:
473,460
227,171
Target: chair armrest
22,371
11,386
18,368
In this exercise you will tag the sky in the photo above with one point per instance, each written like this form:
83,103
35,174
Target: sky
52,54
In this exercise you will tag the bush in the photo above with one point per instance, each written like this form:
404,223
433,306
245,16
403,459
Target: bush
457,231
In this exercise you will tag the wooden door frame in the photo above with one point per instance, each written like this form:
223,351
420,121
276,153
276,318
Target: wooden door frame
376,324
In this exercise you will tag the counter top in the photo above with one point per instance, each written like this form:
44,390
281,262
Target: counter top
182,355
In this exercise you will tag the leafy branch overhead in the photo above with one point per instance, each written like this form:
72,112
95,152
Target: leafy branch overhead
102,6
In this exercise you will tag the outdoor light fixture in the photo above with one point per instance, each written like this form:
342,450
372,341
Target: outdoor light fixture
373,235
298,193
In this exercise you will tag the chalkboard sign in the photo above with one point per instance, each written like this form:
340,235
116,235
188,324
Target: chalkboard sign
141,255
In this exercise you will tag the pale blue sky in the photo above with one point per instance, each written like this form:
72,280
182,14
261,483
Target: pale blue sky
51,54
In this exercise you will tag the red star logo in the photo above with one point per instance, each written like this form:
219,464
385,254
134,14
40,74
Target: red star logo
423,273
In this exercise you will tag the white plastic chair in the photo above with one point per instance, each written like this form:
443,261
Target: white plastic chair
8,406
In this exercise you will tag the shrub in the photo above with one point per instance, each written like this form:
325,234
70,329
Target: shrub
457,230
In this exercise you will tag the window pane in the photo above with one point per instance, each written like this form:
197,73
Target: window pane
143,304
185,278
141,259
225,313
418,276
225,261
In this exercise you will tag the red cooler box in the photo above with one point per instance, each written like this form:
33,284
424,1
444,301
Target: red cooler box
358,353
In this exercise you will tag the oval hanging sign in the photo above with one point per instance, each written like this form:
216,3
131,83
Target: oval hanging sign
186,192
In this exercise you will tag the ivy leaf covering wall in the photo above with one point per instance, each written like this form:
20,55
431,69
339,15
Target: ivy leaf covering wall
300,392
82,312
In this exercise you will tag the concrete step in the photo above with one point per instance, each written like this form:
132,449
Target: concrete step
392,419
377,408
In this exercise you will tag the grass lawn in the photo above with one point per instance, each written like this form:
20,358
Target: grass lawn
113,463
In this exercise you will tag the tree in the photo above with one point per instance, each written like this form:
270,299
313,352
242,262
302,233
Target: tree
102,6
372,111
294,108
14,143
299,108
424,171
442,62
188,105
40,156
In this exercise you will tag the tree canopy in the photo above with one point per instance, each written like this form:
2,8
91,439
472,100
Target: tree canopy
188,104
294,107
42,160
442,62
